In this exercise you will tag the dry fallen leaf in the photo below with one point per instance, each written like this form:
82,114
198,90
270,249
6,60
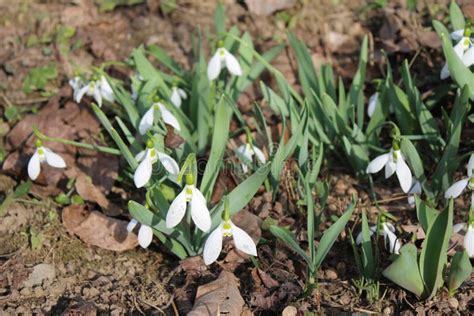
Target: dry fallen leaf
96,229
267,7
220,295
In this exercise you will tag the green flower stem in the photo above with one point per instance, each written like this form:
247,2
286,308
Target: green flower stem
104,149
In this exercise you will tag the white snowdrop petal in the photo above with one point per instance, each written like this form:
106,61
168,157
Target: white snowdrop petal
131,225
243,241
469,241
403,174
177,210
147,121
145,236
213,245
214,66
169,163
182,94
97,95
81,92
245,152
458,227
390,168
53,159
444,72
139,157
143,173
245,168
175,98
34,166
360,236
468,57
106,90
389,226
232,64
415,187
259,154
457,35
169,118
378,163
456,189
199,211
459,48
372,104
393,242
470,166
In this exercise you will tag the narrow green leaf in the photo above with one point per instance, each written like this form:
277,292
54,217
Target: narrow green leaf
330,235
414,160
458,71
460,271
456,16
219,19
448,163
367,259
425,214
219,142
115,136
434,251
290,241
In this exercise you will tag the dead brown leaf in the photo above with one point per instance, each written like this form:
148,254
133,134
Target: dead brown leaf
267,7
220,295
96,229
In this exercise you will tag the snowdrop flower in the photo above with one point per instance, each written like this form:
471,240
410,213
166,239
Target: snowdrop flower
247,151
393,163
390,239
213,245
97,88
147,158
222,58
43,154
199,211
456,189
468,238
177,96
374,98
415,189
464,49
147,120
145,233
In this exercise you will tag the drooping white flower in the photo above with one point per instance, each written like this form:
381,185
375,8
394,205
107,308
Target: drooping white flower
223,59
393,163
456,189
43,154
147,120
464,50
226,228
247,151
145,233
468,238
415,189
374,98
146,159
199,211
177,96
99,89
392,243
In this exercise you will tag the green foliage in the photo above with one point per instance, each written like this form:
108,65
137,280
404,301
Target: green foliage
37,78
424,276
